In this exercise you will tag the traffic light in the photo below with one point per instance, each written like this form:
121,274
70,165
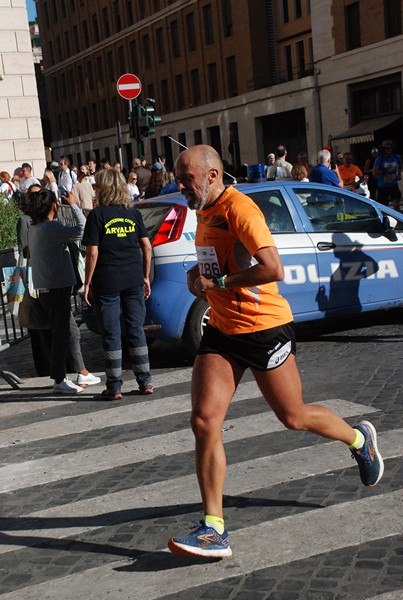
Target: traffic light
143,121
147,120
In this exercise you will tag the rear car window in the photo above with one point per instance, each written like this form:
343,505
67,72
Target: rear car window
275,210
153,216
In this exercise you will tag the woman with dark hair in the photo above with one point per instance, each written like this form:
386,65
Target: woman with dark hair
119,275
53,276
155,184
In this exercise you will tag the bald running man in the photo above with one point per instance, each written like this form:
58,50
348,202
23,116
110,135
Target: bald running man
250,326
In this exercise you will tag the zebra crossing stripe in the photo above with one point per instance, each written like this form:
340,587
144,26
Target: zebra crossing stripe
268,544
15,476
110,417
243,477
18,406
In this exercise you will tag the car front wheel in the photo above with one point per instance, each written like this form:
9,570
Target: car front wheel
196,321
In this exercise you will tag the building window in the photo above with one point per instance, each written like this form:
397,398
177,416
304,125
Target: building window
165,96
55,87
105,19
114,113
85,119
95,28
105,114
197,136
288,63
352,19
310,51
133,62
67,44
72,82
146,51
142,8
213,83
94,112
86,36
64,88
64,14
297,9
300,58
231,76
54,12
150,91
90,75
182,138
46,15
180,96
285,12
59,49
100,71
159,42
195,86
129,11
227,17
208,24
176,50
122,59
51,53
190,32
76,40
393,18
156,5
118,20
111,68
376,97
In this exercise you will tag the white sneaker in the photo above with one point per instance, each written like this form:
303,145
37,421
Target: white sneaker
67,387
89,379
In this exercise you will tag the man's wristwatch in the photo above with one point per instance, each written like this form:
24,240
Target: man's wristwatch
220,281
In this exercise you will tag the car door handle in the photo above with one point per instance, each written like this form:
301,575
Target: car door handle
326,246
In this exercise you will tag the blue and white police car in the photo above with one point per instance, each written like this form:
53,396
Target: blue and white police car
342,255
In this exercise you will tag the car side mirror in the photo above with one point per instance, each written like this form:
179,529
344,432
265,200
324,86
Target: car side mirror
389,224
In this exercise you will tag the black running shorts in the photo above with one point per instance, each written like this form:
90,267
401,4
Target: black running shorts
262,350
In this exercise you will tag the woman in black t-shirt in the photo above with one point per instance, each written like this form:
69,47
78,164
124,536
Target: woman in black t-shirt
117,278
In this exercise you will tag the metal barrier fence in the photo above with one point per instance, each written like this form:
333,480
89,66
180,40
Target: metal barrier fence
10,330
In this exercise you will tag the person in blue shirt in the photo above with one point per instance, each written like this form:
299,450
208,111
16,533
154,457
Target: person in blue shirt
387,169
322,173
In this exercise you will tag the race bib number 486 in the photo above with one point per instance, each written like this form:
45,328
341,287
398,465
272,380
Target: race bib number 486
208,261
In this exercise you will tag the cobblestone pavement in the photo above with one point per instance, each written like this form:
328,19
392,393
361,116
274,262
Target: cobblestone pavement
91,491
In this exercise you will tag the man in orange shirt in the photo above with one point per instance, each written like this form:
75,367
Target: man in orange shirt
348,172
250,326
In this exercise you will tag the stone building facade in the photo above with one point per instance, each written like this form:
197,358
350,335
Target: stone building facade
21,137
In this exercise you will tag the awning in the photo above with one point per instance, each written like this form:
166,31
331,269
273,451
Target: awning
365,130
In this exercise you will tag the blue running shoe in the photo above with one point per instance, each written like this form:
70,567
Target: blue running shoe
203,541
369,460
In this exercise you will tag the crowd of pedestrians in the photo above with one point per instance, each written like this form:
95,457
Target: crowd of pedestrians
378,178
145,179
117,263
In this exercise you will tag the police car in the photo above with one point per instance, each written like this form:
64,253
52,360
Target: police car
342,255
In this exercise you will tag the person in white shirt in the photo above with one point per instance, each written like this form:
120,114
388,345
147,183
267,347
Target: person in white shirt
67,178
280,169
7,187
132,187
27,179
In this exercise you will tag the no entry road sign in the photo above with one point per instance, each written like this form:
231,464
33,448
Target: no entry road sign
129,86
